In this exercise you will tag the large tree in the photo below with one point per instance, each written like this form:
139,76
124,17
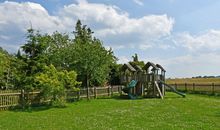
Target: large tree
90,59
33,57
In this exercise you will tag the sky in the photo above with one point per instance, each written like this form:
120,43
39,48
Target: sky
181,35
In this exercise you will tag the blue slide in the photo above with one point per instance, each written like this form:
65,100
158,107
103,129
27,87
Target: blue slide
131,85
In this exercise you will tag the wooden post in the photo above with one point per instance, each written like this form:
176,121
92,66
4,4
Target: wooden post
95,95
108,90
158,89
111,90
193,87
118,89
22,98
142,89
163,89
213,88
154,85
78,95
185,86
88,93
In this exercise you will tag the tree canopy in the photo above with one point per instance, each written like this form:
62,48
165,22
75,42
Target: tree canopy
90,59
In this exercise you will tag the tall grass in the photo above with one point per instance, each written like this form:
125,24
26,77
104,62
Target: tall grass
194,80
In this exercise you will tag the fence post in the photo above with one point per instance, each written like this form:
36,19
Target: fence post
120,90
108,90
78,95
22,98
194,87
175,86
213,88
111,90
95,96
185,86
88,93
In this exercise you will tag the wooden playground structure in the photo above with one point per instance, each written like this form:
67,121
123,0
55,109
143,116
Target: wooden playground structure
148,81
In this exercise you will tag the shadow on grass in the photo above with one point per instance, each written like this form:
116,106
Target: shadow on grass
174,97
31,109
126,97
121,97
34,108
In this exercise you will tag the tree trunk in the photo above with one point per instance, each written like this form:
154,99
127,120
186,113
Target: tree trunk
87,85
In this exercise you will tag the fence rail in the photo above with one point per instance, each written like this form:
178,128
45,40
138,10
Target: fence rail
198,87
14,98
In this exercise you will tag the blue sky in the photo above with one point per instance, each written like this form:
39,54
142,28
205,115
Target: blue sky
182,36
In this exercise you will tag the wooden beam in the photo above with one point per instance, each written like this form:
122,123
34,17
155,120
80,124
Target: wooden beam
158,89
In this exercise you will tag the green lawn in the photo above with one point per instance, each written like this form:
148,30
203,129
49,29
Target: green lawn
193,112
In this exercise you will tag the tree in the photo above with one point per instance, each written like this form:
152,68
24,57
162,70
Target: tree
115,74
135,57
8,70
58,50
90,59
136,61
4,68
33,57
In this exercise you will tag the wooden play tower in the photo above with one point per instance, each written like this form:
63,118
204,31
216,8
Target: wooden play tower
147,79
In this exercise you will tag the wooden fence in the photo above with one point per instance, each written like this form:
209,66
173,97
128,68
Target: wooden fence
198,88
14,98
93,92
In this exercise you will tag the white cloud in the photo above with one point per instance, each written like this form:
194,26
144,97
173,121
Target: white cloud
139,2
3,37
193,65
209,40
145,46
123,59
113,21
111,24
22,15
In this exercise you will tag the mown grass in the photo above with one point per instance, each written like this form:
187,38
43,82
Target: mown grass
174,112
194,80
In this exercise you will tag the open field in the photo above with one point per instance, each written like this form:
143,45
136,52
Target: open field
194,80
192,112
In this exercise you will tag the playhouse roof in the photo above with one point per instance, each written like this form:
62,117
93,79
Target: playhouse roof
159,66
137,67
148,64
129,67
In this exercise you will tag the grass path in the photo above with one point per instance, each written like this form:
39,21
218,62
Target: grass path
192,112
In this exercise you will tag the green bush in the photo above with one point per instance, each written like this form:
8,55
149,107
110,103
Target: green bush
53,84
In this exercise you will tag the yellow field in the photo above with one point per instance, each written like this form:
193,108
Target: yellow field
194,80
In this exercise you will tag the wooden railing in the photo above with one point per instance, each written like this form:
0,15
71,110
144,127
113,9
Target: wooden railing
98,91
14,98
196,87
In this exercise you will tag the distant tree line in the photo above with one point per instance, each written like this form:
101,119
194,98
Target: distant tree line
206,76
